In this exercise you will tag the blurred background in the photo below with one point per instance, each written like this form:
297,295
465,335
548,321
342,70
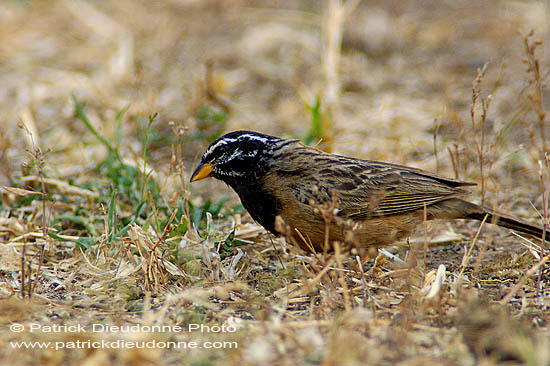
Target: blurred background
381,73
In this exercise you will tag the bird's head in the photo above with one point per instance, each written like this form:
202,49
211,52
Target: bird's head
237,156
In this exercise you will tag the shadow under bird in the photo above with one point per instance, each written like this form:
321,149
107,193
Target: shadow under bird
376,203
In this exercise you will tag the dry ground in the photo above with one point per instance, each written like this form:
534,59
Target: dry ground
106,106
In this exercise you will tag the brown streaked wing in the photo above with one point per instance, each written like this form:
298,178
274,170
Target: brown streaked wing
395,191
369,189
365,188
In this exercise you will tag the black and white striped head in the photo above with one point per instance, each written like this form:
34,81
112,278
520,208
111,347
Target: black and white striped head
237,156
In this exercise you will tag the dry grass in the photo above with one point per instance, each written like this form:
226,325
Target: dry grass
106,107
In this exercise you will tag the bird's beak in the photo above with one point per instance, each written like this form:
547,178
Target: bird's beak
202,171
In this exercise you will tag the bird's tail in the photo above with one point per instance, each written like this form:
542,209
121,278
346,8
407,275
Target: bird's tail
468,210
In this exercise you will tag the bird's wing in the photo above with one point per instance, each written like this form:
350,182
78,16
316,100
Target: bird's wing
370,189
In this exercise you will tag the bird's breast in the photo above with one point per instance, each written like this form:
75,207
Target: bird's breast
260,203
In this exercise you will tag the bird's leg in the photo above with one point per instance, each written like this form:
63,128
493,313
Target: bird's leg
367,297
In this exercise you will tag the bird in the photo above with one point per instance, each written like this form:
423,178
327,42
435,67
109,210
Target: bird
315,199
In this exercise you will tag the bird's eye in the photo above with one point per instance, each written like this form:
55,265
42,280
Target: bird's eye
215,159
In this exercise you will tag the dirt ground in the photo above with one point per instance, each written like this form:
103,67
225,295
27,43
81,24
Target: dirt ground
109,256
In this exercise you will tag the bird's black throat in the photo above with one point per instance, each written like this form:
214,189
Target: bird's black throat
261,205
